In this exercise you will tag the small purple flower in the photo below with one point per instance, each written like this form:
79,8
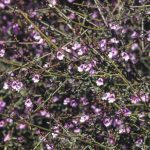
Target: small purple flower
114,26
70,1
95,109
135,99
17,85
5,86
21,126
2,105
76,46
124,129
77,130
55,131
2,123
28,103
134,35
36,78
2,5
66,49
139,142
110,97
144,97
125,111
45,113
84,118
81,68
60,55
49,146
84,101
125,56
113,53
66,101
2,53
73,103
117,122
7,137
7,2
134,46
102,44
100,82
88,67
72,16
133,58
55,99
111,140
107,122
114,41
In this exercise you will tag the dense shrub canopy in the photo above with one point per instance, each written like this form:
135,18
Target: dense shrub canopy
74,74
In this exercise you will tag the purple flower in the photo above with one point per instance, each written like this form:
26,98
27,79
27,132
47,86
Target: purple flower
125,56
110,97
134,35
60,55
111,140
125,111
66,101
107,122
2,53
117,122
84,118
84,101
81,68
21,126
113,53
2,123
114,41
28,103
100,82
144,97
77,130
102,44
45,113
73,103
139,142
49,146
95,109
124,129
76,46
17,85
135,99
7,137
36,78
2,105
70,1
134,46
133,58
5,86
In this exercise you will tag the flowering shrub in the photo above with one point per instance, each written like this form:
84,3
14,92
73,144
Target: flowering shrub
74,74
